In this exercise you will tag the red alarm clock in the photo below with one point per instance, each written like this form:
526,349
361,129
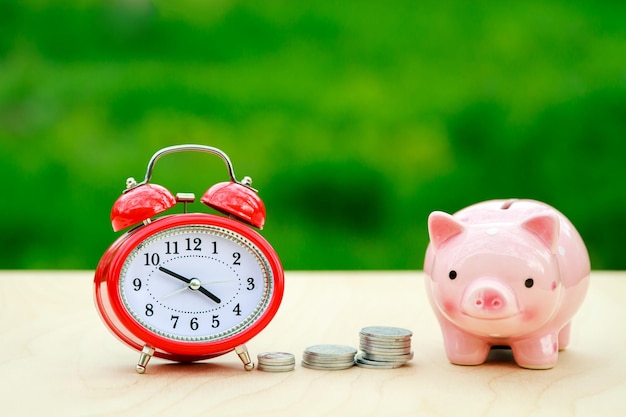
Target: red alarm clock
188,286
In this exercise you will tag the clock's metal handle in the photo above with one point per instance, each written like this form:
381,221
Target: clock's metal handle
182,148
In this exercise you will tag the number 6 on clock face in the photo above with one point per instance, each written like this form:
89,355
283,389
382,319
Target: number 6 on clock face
212,260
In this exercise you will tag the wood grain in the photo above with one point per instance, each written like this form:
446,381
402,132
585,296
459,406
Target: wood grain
58,359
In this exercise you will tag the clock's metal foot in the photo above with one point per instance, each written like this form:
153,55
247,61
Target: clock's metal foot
144,358
242,352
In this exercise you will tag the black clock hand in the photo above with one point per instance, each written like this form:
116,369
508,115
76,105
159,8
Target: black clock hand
209,294
174,274
192,285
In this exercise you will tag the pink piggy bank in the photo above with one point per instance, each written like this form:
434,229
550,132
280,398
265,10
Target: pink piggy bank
505,273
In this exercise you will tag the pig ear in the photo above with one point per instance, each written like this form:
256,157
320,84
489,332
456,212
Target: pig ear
546,228
441,227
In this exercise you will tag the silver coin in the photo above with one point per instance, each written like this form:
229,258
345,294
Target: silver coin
386,366
327,364
389,354
383,341
390,351
312,361
276,358
365,363
402,351
327,368
384,345
276,368
387,358
386,332
372,362
331,350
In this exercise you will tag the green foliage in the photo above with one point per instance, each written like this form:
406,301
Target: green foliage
355,119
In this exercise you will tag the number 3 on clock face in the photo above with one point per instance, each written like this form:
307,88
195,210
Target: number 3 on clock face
195,283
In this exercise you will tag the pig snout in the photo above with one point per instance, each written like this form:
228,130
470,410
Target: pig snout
489,299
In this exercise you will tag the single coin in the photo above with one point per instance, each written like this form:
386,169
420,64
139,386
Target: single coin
276,368
385,342
327,367
331,350
364,363
316,360
276,358
327,361
386,332
387,358
386,351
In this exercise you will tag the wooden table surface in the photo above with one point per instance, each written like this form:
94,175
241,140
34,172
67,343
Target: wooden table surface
58,359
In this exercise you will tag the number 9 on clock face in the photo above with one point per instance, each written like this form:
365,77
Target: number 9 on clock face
196,283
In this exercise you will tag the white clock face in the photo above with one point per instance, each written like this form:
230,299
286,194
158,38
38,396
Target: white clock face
196,283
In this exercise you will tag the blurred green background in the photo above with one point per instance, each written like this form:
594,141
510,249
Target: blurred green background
355,119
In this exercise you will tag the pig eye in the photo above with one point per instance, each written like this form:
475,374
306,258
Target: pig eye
529,283
452,274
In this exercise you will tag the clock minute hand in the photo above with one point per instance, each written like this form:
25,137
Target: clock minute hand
194,284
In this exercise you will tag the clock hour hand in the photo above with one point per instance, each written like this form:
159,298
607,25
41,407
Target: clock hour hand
193,284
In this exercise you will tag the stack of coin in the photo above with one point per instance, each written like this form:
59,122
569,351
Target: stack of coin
384,347
328,357
276,362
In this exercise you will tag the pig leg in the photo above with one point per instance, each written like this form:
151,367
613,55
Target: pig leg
537,352
564,336
463,348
